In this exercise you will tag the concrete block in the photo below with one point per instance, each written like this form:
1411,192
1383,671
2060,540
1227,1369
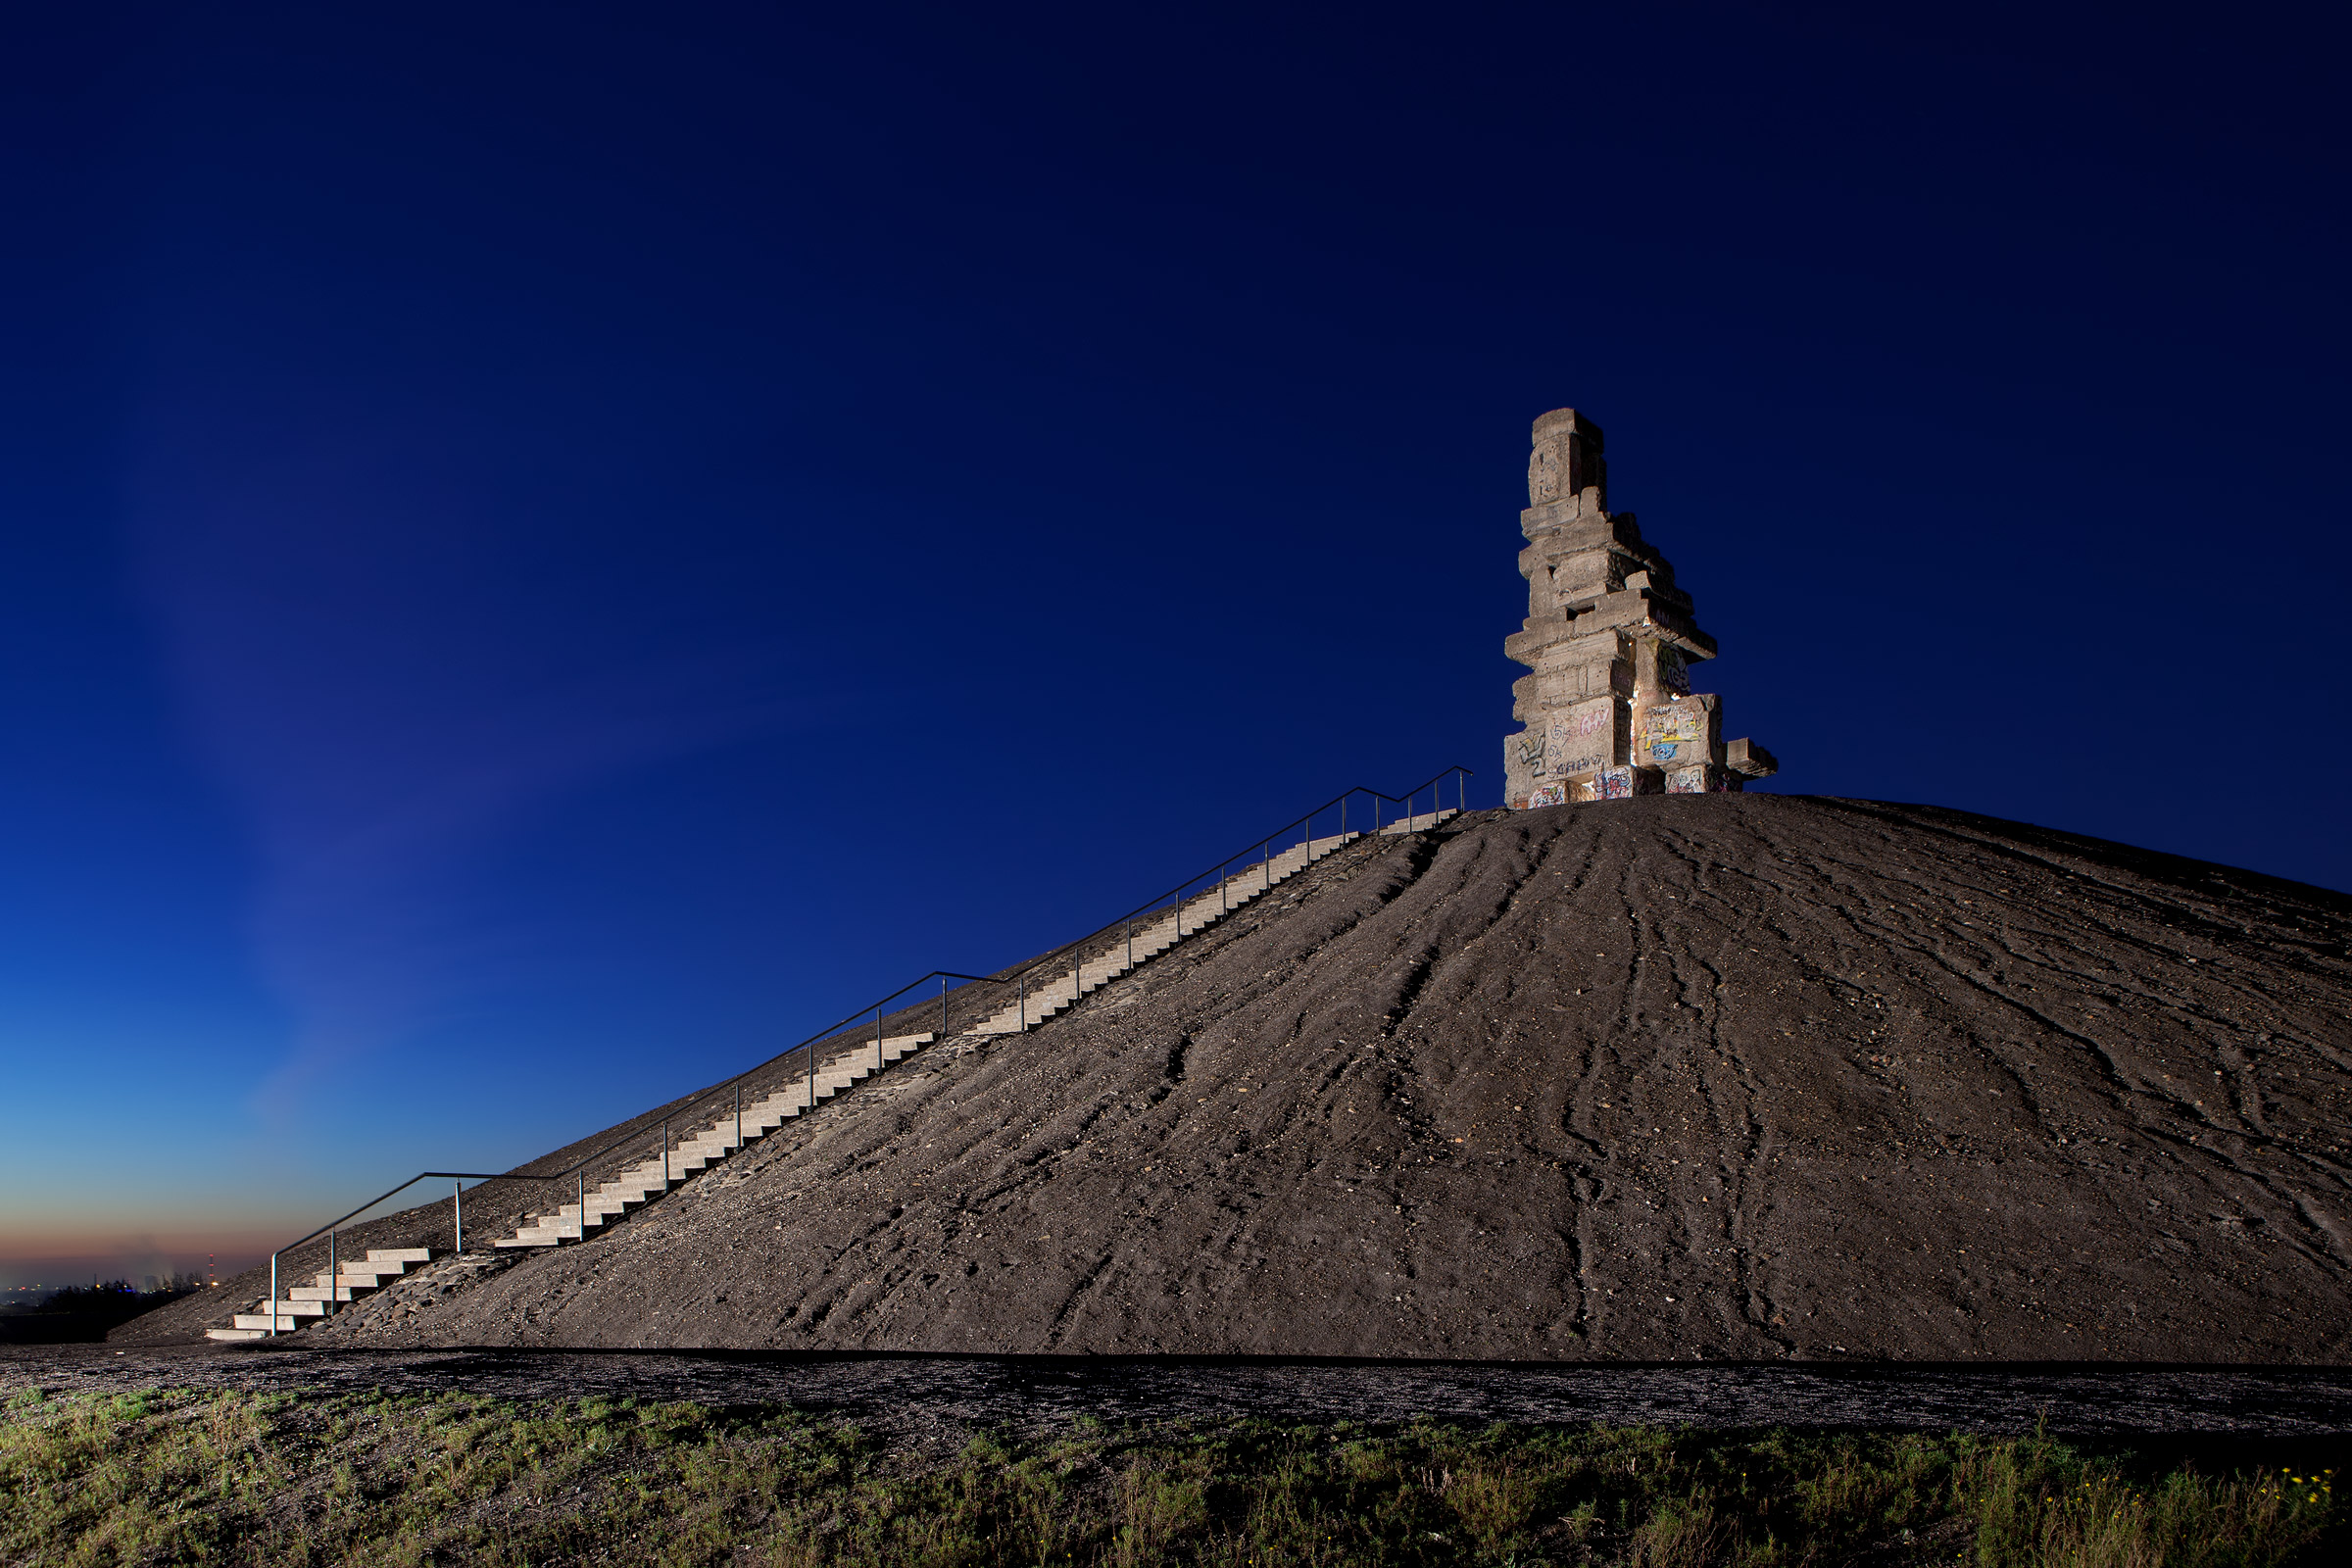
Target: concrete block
1661,671
1703,779
1623,783
1746,758
1589,736
1585,574
1537,637
1566,460
1596,530
1586,665
1679,734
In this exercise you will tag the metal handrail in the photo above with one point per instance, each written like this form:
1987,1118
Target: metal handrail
1339,799
831,1031
457,1204
1017,978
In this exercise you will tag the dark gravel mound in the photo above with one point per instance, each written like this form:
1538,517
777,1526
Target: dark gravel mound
1731,1076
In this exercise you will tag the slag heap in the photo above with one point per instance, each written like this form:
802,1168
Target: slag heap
1610,710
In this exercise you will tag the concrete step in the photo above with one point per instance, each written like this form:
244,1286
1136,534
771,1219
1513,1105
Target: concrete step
728,1133
288,1309
894,1047
541,1236
360,1276
400,1255
236,1334
1194,915
319,1292
1416,824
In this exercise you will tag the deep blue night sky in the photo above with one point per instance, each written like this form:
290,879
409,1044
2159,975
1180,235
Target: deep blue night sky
544,551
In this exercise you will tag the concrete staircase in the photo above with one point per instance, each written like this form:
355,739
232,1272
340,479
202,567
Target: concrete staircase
720,1140
305,1304
727,1135
656,1175
1060,992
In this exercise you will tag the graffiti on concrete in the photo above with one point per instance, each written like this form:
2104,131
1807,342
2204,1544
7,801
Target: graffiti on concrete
1585,737
1674,734
1609,635
1703,779
1673,671
1624,783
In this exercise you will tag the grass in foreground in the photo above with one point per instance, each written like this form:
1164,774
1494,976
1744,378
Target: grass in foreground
280,1479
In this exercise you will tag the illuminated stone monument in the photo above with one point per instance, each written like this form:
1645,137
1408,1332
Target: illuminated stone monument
1609,712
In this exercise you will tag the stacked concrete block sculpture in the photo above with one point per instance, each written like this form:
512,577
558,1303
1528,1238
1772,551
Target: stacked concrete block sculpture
1609,712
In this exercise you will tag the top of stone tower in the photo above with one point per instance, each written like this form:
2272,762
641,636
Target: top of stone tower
1566,461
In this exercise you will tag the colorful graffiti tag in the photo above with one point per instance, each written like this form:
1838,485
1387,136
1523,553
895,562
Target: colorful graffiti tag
1704,780
1677,733
1585,737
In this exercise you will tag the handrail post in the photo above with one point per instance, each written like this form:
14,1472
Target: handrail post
273,1295
878,1037
334,1269
811,1075
457,1210
738,1120
1131,942
665,1153
1021,991
942,1009
580,1195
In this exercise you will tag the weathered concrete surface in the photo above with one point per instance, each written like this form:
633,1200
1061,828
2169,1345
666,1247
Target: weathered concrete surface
1611,638
1728,1076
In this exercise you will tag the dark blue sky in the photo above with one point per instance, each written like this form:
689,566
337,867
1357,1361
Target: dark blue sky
549,550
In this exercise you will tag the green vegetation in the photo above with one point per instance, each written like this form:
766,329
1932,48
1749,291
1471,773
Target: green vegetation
282,1479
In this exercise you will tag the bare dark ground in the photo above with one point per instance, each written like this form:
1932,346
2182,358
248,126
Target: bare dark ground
941,1400
1742,1078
